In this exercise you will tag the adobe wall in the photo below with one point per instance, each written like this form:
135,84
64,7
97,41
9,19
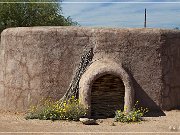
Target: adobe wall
39,62
171,70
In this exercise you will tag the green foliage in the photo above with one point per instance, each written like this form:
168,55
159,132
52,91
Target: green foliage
69,110
133,116
32,14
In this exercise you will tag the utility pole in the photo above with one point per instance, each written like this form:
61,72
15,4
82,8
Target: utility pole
145,18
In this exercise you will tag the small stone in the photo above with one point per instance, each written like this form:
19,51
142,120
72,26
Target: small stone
112,124
170,127
100,121
87,121
173,128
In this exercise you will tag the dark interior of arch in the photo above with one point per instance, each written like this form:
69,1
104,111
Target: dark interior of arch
107,95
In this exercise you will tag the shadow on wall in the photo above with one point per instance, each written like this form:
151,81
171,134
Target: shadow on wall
145,101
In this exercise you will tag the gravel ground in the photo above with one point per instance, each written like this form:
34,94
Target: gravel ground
16,124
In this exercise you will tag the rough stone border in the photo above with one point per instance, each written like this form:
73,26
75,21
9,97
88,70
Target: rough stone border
98,69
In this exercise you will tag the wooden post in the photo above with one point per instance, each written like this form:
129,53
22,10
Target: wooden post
145,18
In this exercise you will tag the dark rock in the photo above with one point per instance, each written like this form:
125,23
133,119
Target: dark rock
87,121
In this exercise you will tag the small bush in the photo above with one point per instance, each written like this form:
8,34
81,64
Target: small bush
133,116
69,110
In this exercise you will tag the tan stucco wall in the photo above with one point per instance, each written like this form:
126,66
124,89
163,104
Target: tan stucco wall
171,70
39,62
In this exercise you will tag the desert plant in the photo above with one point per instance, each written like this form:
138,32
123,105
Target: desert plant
133,116
68,110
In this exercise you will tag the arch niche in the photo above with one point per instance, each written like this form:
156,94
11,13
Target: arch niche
97,71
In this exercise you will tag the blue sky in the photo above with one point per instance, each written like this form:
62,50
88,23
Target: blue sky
159,15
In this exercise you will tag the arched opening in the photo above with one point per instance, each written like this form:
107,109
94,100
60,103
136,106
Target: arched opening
107,95
109,71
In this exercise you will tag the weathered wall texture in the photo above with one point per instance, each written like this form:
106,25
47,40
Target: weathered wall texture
171,70
39,62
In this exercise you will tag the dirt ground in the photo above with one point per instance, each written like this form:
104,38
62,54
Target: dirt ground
16,124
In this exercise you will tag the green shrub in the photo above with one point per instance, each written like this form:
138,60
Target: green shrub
69,110
133,116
